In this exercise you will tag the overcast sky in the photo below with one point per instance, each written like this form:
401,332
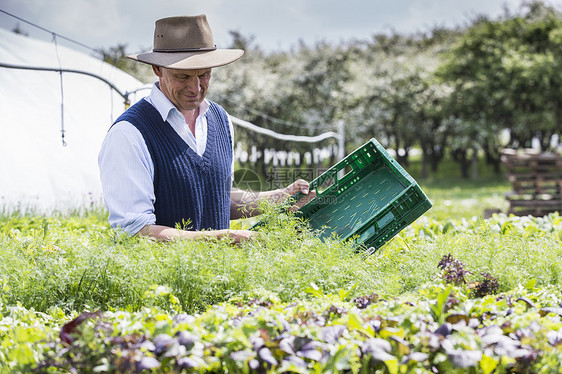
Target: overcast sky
274,24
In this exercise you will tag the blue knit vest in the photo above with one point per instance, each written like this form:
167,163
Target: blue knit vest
191,190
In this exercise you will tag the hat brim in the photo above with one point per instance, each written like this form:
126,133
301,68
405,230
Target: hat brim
189,60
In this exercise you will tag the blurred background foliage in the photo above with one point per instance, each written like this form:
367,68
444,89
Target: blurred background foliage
459,93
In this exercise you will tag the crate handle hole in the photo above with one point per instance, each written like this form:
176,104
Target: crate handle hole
385,220
326,185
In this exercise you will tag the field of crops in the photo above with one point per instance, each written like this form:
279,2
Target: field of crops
444,296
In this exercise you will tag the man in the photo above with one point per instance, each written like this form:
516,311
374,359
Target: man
168,160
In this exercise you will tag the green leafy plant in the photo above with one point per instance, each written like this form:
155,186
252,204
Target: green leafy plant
285,302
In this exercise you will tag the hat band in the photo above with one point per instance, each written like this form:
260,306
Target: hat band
204,49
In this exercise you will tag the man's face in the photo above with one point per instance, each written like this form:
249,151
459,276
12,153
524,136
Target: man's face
186,89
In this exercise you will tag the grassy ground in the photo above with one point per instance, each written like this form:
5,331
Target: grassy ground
456,198
77,262
52,268
465,199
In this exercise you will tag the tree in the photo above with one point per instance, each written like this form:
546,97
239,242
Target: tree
116,56
505,76
403,104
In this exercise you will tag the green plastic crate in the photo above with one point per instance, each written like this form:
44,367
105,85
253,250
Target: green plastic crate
367,196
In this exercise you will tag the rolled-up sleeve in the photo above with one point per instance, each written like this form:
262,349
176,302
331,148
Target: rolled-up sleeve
127,174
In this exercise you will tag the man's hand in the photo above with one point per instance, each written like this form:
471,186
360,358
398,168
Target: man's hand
302,186
240,236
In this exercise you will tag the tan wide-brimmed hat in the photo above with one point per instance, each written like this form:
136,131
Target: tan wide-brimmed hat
186,42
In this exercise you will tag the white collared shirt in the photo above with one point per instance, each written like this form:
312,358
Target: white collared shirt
126,167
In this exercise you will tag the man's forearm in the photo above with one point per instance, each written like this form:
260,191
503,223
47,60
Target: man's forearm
244,204
165,233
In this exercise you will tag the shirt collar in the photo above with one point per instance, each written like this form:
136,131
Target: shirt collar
166,108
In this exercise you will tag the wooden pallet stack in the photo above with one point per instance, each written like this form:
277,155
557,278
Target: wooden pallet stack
536,179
